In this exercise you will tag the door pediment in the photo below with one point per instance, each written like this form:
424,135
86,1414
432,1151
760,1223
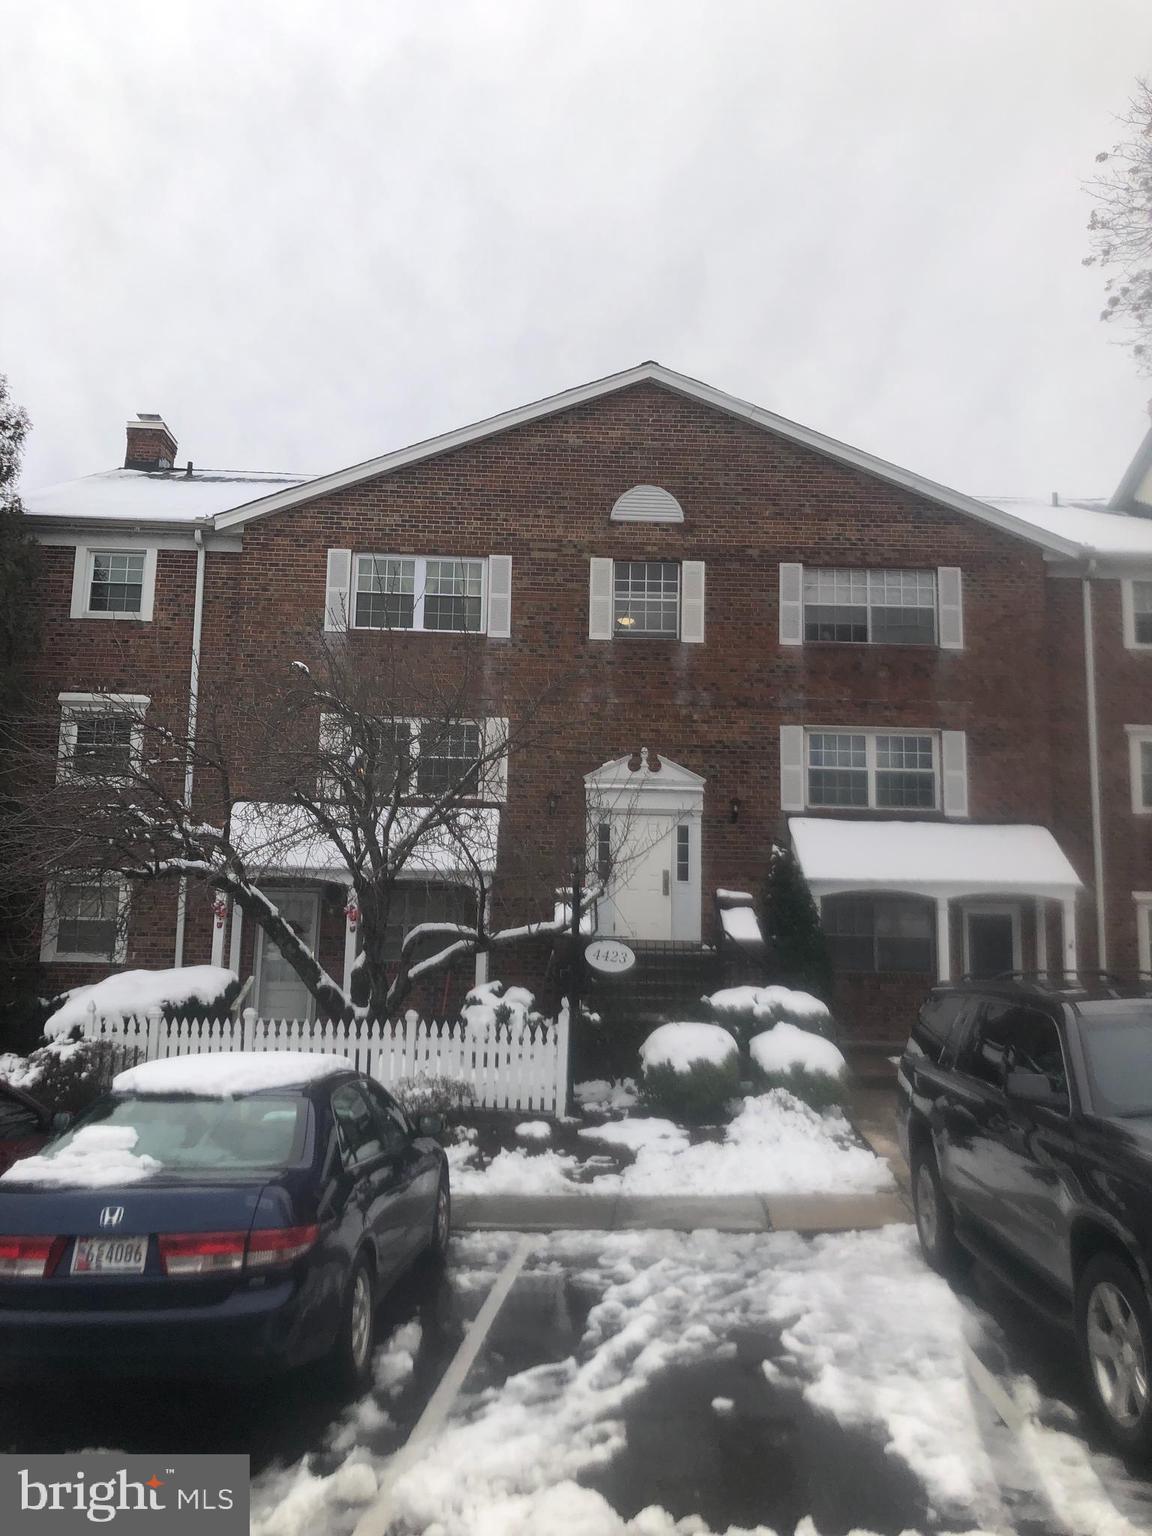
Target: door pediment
668,776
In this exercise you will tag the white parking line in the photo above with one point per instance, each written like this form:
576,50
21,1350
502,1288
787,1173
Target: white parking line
376,1520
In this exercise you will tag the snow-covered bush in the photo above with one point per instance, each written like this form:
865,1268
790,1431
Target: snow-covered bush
188,992
690,1071
749,1009
804,1063
449,1097
491,1004
67,1075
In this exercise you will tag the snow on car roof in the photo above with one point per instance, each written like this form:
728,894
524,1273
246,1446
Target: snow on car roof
157,496
224,1074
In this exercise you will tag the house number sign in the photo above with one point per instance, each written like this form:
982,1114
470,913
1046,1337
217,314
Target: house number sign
609,956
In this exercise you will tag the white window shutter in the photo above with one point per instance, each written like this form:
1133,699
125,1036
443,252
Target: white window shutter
791,604
954,772
496,772
337,614
950,600
692,601
600,599
500,596
80,582
148,588
792,768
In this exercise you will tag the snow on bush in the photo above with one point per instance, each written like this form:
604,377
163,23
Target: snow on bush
66,1075
204,990
690,1070
761,1006
95,1156
805,1064
491,1003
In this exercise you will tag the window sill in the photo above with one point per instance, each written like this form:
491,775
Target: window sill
870,645
79,959
128,618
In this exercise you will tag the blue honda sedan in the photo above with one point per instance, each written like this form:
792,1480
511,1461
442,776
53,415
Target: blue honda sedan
228,1214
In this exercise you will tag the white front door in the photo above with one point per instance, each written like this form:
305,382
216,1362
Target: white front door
280,994
642,880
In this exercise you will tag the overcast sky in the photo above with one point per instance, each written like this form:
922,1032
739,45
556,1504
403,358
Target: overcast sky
310,231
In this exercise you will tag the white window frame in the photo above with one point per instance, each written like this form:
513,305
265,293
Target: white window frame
49,948
1143,901
1128,608
870,735
1139,736
73,706
419,592
868,572
494,775
82,582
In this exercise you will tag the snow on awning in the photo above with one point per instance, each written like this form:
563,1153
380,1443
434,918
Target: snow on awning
930,858
282,839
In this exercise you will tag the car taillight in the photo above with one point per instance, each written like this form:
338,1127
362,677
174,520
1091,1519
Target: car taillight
279,1245
29,1258
201,1253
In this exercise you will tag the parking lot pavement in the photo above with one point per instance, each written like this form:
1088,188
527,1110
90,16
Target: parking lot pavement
750,1380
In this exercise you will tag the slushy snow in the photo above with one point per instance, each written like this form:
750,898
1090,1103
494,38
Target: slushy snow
534,1130
785,1046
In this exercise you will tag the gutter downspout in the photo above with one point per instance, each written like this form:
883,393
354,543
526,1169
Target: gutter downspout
193,704
1094,768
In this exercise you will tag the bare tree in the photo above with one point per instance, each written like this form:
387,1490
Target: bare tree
373,768
1121,224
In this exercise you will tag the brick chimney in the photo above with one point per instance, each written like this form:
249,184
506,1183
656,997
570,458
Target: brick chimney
150,444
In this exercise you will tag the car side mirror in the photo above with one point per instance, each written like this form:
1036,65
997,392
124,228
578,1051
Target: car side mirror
1034,1088
60,1122
430,1125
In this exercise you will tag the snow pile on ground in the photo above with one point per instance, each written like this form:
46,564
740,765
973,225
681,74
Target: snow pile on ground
775,1145
393,1365
534,1130
95,1156
224,1074
600,1097
680,1045
635,1134
138,992
785,1046
765,1005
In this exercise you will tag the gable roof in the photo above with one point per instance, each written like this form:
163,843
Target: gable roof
1135,486
677,383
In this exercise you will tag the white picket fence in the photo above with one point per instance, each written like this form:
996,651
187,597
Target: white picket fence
505,1066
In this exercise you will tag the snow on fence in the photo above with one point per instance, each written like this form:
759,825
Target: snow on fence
506,1066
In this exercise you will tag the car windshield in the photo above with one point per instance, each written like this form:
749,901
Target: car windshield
201,1134
1117,1040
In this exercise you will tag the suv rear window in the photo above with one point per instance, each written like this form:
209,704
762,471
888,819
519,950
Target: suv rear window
937,1016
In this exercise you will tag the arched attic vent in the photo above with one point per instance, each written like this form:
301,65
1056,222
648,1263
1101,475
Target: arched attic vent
647,504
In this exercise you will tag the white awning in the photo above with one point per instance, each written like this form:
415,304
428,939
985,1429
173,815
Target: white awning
284,840
930,858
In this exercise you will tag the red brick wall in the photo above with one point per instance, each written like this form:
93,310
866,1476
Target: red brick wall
543,493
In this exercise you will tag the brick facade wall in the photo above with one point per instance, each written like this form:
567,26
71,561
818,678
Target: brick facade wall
542,493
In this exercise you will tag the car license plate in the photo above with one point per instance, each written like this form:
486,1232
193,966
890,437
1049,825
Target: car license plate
109,1255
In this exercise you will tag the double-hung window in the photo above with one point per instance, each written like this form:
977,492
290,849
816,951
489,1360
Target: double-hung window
866,607
449,755
646,597
879,933
113,583
418,592
101,735
1137,596
83,920
1140,763
872,770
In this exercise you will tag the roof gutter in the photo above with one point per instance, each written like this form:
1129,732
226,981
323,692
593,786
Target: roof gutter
1094,767
193,706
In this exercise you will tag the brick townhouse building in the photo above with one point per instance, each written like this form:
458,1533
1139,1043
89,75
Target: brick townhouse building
943,702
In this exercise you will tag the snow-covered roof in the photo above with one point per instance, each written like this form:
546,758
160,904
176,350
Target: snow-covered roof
930,858
284,839
222,1074
1088,524
133,495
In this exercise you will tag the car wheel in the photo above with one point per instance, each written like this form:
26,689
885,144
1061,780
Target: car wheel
934,1222
1114,1331
441,1223
352,1355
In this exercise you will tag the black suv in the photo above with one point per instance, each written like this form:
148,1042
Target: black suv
1026,1119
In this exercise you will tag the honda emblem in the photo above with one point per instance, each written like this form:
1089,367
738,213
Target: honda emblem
111,1215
